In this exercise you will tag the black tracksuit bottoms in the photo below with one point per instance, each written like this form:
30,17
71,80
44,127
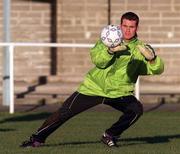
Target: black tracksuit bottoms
131,108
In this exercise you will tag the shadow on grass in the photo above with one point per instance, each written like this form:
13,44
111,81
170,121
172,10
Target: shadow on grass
72,143
151,140
126,141
29,117
6,130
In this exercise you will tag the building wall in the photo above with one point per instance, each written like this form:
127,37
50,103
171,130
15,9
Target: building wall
30,22
80,21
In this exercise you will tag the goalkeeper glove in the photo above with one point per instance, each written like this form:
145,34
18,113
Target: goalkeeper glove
120,47
147,51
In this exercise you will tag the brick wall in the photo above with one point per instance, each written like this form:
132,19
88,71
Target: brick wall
80,21
30,22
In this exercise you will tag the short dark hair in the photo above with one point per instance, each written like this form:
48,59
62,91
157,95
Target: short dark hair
130,16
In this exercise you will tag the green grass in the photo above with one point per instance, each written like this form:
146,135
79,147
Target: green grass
154,133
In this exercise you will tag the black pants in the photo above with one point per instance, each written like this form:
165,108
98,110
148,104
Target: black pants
130,107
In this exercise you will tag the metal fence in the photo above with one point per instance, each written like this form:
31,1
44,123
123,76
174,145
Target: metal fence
8,65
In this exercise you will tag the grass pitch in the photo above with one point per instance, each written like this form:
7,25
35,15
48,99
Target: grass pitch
154,133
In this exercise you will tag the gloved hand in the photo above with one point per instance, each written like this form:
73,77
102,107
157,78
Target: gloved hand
147,51
120,47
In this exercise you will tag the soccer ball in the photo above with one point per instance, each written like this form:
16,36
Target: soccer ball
111,35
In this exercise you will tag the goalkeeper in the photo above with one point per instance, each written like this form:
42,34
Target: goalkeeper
111,82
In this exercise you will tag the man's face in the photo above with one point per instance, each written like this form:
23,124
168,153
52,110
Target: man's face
128,28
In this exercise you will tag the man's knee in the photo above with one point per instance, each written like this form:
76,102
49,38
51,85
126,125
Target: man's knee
64,113
139,109
136,108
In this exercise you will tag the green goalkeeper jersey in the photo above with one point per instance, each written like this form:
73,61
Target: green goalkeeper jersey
115,75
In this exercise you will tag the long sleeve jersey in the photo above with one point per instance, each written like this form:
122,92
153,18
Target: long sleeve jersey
115,75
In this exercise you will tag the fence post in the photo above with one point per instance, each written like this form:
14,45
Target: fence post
137,90
8,78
